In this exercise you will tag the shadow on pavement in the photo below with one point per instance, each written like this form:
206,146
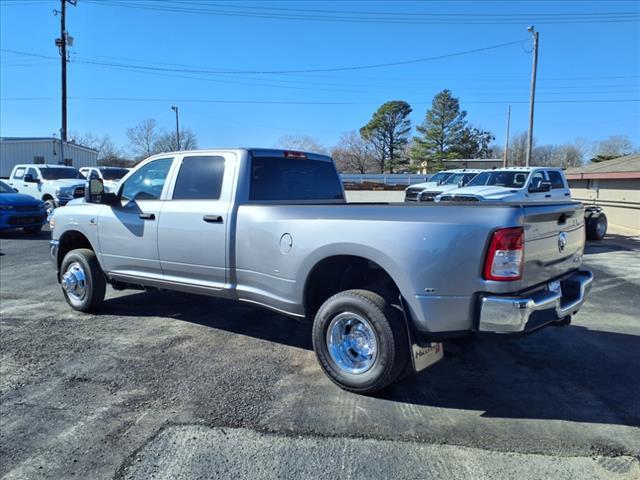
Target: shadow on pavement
566,373
613,243
19,234
228,315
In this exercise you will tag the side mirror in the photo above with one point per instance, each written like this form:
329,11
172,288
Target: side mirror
538,186
94,193
29,178
16,190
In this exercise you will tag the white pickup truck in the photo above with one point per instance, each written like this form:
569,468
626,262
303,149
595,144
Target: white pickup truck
525,184
55,185
110,176
439,183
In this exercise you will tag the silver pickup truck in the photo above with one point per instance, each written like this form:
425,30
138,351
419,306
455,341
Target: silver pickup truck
382,283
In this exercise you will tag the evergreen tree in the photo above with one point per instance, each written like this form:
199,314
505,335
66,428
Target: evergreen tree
388,132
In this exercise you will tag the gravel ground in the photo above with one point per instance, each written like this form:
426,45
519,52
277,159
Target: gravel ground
175,385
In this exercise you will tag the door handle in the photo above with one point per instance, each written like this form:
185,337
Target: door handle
147,216
212,218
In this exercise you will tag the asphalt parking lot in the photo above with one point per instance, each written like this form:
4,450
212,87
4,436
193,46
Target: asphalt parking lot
169,385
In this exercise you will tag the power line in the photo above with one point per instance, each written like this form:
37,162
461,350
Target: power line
309,70
408,19
211,71
297,102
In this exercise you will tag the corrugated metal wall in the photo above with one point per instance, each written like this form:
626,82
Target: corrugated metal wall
15,152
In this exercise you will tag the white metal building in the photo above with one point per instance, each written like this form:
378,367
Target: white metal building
15,150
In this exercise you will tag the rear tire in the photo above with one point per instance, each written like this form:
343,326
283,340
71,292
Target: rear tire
360,341
83,282
32,230
597,226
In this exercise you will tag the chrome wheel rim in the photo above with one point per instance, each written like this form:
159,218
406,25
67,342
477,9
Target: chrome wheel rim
352,343
601,226
74,281
49,208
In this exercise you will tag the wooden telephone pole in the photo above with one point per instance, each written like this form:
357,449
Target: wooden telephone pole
505,160
62,42
533,92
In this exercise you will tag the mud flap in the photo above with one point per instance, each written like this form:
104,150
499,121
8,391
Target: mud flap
424,357
421,356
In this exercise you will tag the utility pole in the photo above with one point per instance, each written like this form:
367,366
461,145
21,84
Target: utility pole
62,43
533,92
506,142
175,109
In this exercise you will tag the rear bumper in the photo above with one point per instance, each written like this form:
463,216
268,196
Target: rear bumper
508,314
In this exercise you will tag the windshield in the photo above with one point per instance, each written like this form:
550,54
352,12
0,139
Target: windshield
57,173
456,178
113,173
4,188
439,177
500,179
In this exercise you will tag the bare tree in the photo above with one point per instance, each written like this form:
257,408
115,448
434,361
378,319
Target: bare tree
353,154
167,141
544,155
612,147
518,149
108,153
569,156
142,138
303,143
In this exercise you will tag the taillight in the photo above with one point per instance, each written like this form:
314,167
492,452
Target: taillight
505,258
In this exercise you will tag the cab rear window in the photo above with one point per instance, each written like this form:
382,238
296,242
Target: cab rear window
282,179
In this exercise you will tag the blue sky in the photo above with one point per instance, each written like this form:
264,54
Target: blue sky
156,52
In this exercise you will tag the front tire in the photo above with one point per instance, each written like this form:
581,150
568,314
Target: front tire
83,282
360,341
49,206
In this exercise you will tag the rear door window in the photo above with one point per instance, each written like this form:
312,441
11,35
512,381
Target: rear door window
282,179
19,173
200,178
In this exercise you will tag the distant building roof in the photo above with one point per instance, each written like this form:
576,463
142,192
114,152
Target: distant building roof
44,139
621,167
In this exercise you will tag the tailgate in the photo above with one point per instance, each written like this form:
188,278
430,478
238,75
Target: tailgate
554,241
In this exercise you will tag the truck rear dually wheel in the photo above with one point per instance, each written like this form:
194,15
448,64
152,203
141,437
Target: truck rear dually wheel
83,282
597,226
360,341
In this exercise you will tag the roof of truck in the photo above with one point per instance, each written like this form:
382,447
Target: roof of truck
258,152
523,169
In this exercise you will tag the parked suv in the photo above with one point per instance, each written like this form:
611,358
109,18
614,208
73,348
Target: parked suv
55,185
110,176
